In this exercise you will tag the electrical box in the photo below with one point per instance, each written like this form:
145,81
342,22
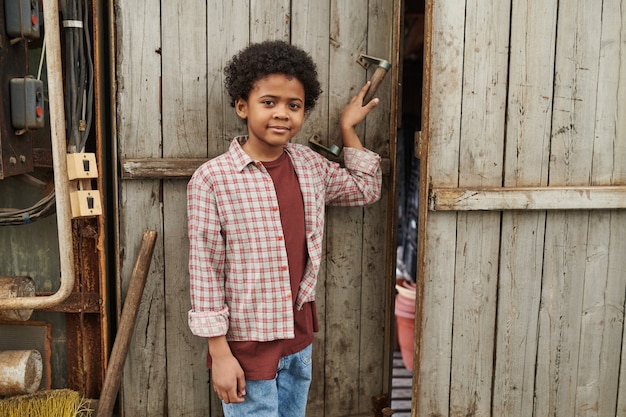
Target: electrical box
27,103
81,165
22,18
16,146
85,203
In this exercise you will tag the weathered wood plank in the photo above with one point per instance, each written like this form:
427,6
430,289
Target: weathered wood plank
614,117
348,26
159,168
140,206
377,282
183,168
602,316
567,233
184,119
602,323
310,23
533,33
444,64
529,198
139,131
559,314
270,20
228,31
485,74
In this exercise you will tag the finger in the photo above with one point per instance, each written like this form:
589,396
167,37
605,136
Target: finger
241,386
373,103
364,89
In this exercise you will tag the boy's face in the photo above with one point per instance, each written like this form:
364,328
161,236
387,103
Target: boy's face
274,112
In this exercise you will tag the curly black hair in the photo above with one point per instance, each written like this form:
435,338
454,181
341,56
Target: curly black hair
259,60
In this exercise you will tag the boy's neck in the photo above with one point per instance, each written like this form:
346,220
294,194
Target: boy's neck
262,153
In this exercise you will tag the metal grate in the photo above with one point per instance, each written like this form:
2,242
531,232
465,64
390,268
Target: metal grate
401,390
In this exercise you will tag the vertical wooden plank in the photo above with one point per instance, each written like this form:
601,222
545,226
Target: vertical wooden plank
310,30
614,342
344,226
476,275
529,105
228,31
184,95
269,20
140,209
559,315
610,120
602,324
619,176
375,275
576,80
474,313
444,64
139,131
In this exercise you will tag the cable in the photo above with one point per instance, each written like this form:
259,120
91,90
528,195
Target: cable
43,208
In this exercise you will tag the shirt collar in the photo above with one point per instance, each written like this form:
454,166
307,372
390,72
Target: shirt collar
240,158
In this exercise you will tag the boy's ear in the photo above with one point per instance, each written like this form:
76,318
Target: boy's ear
241,107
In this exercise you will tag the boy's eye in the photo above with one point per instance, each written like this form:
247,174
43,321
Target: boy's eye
268,102
294,106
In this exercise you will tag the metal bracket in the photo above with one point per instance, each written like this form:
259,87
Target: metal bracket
333,149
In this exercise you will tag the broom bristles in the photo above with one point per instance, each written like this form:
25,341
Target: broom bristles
52,403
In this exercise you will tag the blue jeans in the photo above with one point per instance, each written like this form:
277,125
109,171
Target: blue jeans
284,396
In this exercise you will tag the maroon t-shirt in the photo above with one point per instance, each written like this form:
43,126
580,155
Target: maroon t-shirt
259,360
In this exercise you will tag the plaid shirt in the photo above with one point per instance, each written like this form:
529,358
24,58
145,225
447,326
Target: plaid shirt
239,278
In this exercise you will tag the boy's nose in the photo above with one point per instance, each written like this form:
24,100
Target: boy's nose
281,113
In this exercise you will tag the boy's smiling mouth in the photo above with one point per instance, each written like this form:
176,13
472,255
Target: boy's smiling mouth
279,128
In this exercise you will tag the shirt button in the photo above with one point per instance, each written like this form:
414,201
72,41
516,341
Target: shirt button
283,268
274,208
259,164
280,238
288,297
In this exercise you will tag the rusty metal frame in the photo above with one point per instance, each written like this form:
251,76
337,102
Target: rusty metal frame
59,165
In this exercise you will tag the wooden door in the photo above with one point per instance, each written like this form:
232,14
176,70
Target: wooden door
172,114
522,224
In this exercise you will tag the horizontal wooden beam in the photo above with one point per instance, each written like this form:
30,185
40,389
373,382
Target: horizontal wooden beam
160,168
181,168
528,198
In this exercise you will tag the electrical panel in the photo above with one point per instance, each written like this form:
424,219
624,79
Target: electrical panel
19,24
27,103
22,19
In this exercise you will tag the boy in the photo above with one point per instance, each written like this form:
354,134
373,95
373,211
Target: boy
256,219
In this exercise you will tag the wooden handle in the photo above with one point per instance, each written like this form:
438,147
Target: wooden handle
127,324
377,78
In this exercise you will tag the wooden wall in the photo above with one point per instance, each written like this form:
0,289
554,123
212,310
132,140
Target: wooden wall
170,103
523,310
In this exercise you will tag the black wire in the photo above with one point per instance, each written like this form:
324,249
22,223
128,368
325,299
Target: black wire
89,86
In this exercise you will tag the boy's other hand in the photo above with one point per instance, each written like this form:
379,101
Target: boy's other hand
229,382
353,114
